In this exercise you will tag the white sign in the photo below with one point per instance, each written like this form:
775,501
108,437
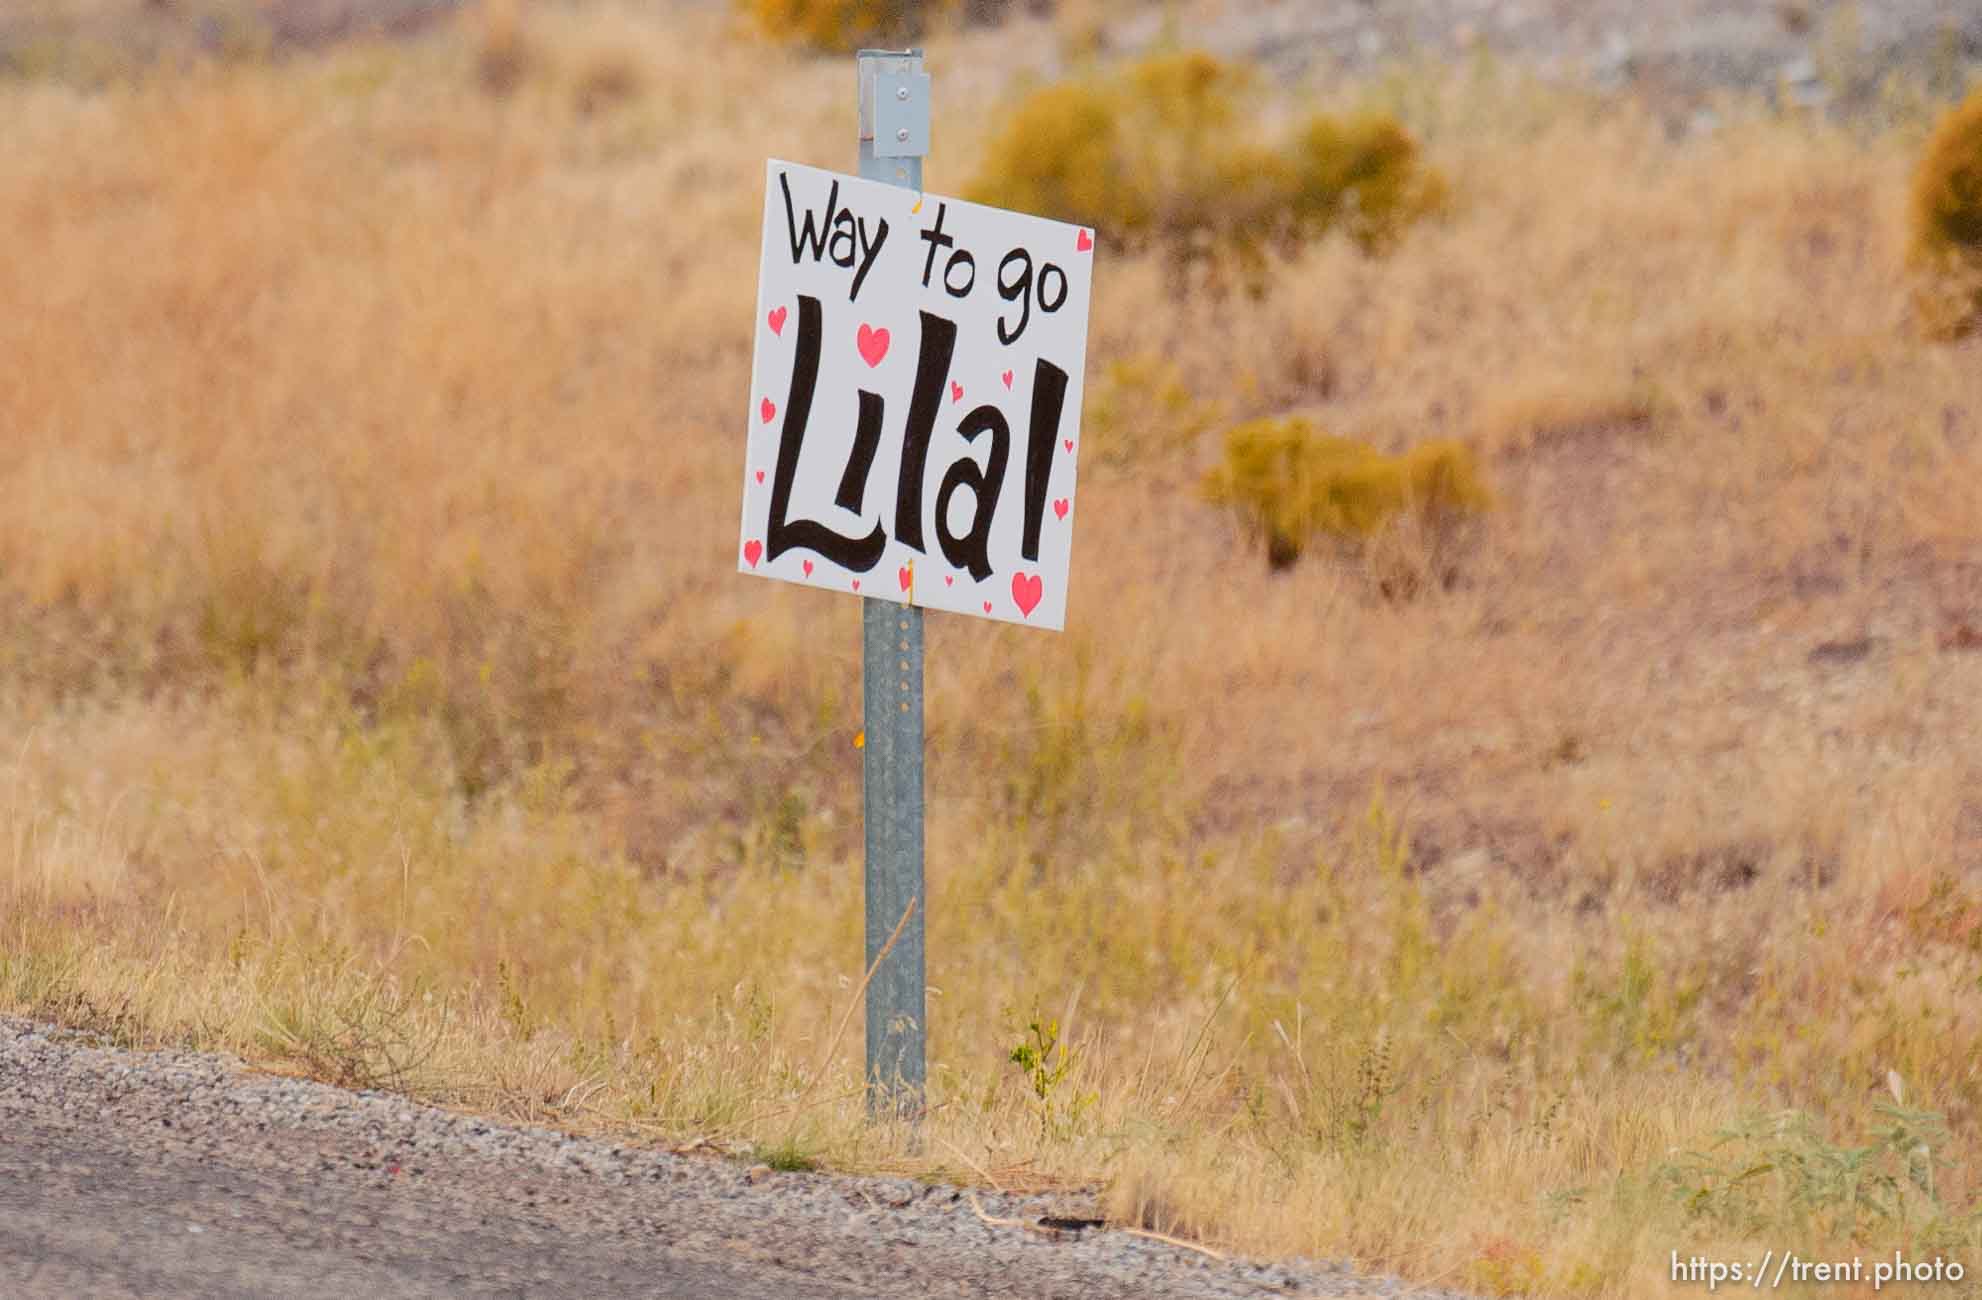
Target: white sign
915,397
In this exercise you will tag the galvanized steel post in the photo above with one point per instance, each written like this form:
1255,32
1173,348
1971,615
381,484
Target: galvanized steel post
894,137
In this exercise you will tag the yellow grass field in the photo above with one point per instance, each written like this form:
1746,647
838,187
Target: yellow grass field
378,699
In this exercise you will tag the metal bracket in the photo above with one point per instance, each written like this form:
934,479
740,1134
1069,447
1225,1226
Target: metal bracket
894,103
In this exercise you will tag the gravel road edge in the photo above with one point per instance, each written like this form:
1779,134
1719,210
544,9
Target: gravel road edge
365,1162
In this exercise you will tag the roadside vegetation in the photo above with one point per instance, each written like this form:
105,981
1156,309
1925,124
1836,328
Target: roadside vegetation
377,699
1165,153
1947,223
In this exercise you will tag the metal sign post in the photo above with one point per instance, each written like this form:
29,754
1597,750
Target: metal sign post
894,138
870,288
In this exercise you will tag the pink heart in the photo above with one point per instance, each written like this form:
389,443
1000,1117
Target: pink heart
904,575
949,580
767,410
776,320
956,391
760,476
807,566
1007,377
987,607
1026,592
1083,243
856,584
1059,507
873,344
752,550
1068,443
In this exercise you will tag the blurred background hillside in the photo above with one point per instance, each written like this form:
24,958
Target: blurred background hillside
1810,50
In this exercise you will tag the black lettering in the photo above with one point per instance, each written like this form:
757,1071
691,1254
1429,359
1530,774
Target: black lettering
1014,290
813,241
866,437
859,554
969,265
972,551
1049,396
1051,270
935,238
840,237
843,229
932,368
868,252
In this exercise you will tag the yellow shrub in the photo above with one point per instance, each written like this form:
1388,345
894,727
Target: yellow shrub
1140,411
1190,94
1288,483
842,25
1161,154
1062,154
1947,221
1364,175
1442,477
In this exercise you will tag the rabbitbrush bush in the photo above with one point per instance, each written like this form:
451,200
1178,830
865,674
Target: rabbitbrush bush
1947,222
1289,483
839,25
1156,155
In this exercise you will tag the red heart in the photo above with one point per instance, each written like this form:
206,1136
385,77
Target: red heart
956,391
949,580
1068,443
807,566
753,549
1007,377
1083,243
856,584
776,320
760,476
904,575
987,607
1059,507
1026,592
767,410
873,344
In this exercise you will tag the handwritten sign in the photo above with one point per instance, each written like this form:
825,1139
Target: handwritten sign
915,398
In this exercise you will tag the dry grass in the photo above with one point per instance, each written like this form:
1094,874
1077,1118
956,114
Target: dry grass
379,698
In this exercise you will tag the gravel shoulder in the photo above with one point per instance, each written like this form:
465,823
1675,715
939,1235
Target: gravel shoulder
167,1173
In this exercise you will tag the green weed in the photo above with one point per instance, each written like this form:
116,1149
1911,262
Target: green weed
1771,1173
1044,1060
789,1156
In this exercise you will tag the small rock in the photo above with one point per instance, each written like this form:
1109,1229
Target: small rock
1841,652
1964,635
